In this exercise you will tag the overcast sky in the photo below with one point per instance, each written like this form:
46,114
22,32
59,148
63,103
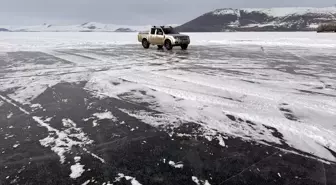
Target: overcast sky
129,12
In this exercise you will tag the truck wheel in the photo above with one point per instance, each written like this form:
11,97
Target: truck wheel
160,46
184,46
168,45
145,43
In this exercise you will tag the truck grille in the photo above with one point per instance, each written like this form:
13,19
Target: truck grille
183,37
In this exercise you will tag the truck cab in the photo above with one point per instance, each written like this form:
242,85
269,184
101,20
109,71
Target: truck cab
163,36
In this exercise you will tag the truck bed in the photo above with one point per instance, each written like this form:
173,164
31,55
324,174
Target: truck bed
142,34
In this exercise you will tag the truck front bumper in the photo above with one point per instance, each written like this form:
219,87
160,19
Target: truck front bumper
179,42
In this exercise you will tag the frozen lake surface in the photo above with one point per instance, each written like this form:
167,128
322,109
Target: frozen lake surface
62,40
233,108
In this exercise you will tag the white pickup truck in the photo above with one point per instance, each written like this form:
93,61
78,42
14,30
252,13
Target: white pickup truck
163,36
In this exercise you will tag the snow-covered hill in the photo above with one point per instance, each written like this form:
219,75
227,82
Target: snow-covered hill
86,27
259,19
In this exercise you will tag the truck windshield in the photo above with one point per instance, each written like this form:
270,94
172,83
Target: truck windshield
170,31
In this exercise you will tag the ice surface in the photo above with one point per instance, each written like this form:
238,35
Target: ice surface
271,87
46,41
300,39
14,104
260,106
61,142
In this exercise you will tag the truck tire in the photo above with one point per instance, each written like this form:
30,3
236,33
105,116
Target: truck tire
184,46
168,45
145,43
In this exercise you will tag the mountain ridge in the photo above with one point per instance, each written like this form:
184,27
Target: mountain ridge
261,19
85,27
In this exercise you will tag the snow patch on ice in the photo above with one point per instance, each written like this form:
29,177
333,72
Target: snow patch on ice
107,183
76,170
256,98
68,123
61,142
48,119
175,165
206,182
86,182
200,182
8,136
221,140
154,120
195,179
95,123
27,88
77,159
105,115
94,155
36,106
87,119
209,138
128,178
9,115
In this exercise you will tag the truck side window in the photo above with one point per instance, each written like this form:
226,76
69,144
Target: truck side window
159,32
153,31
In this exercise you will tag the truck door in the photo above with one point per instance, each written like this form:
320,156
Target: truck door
159,36
151,37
